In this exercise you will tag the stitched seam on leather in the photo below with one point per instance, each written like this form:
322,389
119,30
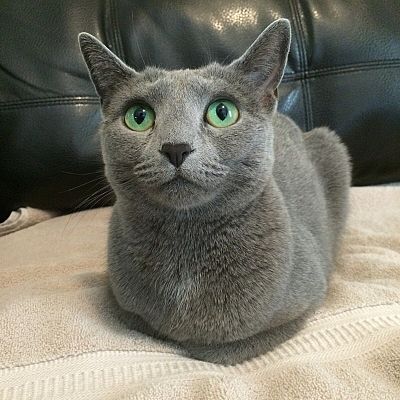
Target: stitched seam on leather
115,37
339,71
309,123
302,57
296,76
49,102
310,114
343,69
47,99
376,63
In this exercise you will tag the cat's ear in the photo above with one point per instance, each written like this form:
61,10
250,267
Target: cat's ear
264,61
105,68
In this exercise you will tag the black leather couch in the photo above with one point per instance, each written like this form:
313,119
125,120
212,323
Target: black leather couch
343,72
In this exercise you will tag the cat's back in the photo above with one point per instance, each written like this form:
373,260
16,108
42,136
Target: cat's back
285,128
293,170
312,170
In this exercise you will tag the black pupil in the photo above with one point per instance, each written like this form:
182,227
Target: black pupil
139,115
222,111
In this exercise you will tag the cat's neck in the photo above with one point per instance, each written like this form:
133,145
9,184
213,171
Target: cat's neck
220,209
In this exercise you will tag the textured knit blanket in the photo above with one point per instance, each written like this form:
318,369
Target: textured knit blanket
61,336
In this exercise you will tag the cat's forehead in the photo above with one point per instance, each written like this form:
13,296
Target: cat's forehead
156,85
213,70
184,78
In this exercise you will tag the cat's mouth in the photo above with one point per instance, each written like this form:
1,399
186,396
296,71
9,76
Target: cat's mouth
180,180
184,187
182,191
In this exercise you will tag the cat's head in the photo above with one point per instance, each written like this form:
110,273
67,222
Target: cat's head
185,138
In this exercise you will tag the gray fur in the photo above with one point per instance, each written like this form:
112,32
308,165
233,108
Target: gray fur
245,241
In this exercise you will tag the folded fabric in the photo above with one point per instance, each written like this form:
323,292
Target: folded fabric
24,217
62,336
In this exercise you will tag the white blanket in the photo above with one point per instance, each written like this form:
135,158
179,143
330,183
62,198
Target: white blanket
61,336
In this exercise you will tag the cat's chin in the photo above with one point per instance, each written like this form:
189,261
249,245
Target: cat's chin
180,193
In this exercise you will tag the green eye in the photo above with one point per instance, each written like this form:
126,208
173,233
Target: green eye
222,113
140,118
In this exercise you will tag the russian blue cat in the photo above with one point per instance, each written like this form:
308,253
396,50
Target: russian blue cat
227,217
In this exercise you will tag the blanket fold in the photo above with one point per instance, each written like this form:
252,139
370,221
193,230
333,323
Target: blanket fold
62,336
23,218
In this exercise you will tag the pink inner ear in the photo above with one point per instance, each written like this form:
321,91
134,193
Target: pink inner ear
268,100
271,83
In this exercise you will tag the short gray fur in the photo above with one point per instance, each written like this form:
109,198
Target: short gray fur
245,241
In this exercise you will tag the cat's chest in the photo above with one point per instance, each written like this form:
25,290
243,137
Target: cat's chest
183,247
234,245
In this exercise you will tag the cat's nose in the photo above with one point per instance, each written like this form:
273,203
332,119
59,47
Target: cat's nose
176,153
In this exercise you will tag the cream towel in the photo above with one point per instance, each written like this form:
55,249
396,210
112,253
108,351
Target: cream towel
61,337
25,217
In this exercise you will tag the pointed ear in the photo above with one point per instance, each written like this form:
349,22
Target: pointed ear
106,69
264,62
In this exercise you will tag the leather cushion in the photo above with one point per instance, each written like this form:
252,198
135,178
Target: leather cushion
343,72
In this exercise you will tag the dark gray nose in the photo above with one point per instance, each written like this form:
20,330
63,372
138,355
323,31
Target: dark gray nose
176,153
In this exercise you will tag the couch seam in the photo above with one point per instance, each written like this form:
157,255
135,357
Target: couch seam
289,77
45,99
342,69
307,82
48,102
303,63
115,36
376,63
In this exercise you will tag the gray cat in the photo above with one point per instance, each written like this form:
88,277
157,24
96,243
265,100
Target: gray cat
227,216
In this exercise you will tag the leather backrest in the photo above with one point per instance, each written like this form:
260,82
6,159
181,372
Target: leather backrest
343,72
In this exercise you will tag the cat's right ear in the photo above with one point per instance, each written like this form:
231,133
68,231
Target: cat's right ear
105,68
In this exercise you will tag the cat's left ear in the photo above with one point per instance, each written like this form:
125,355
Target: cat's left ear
264,62
106,70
